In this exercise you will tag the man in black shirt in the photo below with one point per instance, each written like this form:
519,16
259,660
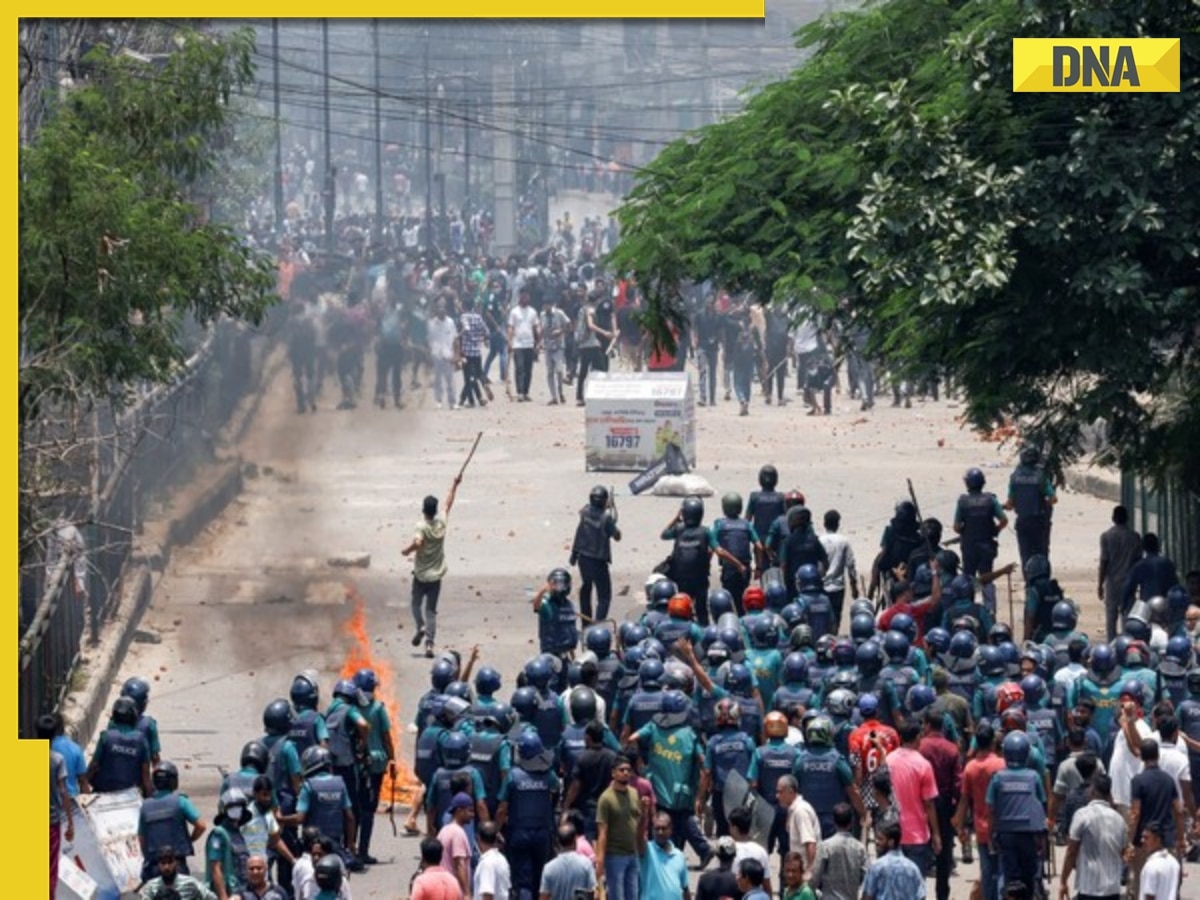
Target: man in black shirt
721,882
592,774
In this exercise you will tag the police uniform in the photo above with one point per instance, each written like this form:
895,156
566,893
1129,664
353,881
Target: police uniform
592,550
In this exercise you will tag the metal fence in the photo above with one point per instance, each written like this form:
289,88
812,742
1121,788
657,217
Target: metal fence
1172,513
135,455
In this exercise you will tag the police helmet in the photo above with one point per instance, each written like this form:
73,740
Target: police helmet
1137,629
1179,649
598,497
716,654
661,594
1030,455
739,681
776,594
732,639
693,511
868,658
1000,633
1159,607
304,692
560,581
1102,660
346,689
1120,646
731,504
650,673
537,673
277,717
581,703
327,872
896,646
754,599
937,639
906,625
525,703
1063,616
868,706
487,681
442,674
963,645
655,578
124,711
1016,748
678,677
529,746
653,648
824,648
1134,690
768,477
862,606
819,732
680,607
728,712
922,581
1012,656
961,587
775,725
455,749
256,756
763,633
234,799
966,623
460,689
862,628
919,697
165,776
974,479
792,615
1178,600
720,601
991,661
795,668
366,680
846,678
906,511
676,710
844,653
841,702
948,561
138,689
801,636
598,639
1037,566
631,634
808,577
452,711
316,759
1034,689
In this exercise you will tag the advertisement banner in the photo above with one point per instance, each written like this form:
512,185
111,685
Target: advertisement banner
633,416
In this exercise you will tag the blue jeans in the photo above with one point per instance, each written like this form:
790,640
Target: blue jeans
921,854
684,827
989,873
621,873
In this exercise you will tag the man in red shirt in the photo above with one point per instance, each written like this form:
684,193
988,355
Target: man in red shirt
976,778
433,882
903,602
948,775
869,744
915,790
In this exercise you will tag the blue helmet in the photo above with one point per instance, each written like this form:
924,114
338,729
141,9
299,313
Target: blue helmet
661,594
795,668
1102,660
868,706
1063,616
676,710
740,681
487,681
1034,688
537,673
304,693
366,680
441,674
922,581
1012,656
654,649
937,639
1131,687
529,745
963,645
920,697
792,615
906,625
763,633
598,639
1179,649
138,690
459,689
631,634
277,716
801,636
862,628
720,601
1137,629
961,587
1016,748
525,703
776,594
808,577
650,673
1037,566
991,660
896,646
732,638
974,479
708,638
868,658
347,690
633,659
844,653
455,749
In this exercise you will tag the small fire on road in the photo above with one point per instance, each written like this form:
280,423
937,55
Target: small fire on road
403,788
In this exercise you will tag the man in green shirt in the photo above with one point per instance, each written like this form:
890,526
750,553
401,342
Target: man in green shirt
429,567
618,818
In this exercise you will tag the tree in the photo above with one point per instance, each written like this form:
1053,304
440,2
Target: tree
1042,249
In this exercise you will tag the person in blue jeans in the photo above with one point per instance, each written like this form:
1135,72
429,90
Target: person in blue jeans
620,818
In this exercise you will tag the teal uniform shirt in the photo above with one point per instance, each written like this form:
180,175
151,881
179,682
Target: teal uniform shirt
1105,696
306,798
505,787
381,724
190,813
218,849
150,729
674,760
1150,682
478,790
766,665
289,759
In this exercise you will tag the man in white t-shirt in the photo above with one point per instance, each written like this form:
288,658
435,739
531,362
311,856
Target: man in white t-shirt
739,830
443,335
493,879
522,342
1125,763
1160,874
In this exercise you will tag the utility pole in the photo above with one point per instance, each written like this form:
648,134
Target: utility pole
279,210
379,211
505,234
330,166
468,237
428,156
443,217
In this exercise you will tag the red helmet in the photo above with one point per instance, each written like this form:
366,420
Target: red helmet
1013,719
680,606
776,724
1009,694
793,498
754,598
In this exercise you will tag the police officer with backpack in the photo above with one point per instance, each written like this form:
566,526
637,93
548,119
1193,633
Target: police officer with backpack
325,803
526,814
121,759
765,505
167,820
1031,496
978,519
691,556
592,552
736,544
348,734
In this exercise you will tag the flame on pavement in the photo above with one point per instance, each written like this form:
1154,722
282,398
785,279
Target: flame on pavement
404,787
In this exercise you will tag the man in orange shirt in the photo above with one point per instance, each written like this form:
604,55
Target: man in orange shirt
433,882
869,744
976,777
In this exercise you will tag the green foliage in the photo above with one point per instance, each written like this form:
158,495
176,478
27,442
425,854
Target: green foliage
1042,249
117,251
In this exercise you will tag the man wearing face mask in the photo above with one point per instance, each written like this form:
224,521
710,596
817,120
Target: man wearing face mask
225,853
170,883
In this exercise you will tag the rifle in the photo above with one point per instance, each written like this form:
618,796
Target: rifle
920,522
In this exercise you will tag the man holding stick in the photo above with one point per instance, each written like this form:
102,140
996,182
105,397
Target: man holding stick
429,563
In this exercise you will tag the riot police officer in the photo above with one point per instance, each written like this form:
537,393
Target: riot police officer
729,750
348,736
599,640
736,544
121,759
978,519
765,505
548,711
526,814
167,820
558,630
225,851
138,689
325,803
691,555
381,755
308,728
592,552
1031,496
774,759
1016,799
456,760
824,777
